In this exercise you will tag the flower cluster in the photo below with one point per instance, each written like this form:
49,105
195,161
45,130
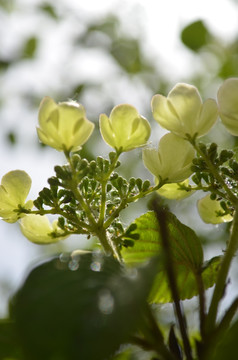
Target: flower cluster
65,127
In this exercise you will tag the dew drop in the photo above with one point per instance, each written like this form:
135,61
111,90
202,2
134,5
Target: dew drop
106,302
96,266
132,273
64,257
73,265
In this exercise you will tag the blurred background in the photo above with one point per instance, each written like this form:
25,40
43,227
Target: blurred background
103,53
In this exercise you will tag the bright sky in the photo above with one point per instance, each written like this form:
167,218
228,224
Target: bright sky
158,22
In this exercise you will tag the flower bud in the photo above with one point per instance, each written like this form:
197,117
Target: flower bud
14,189
172,161
39,230
183,112
209,211
63,126
228,105
125,129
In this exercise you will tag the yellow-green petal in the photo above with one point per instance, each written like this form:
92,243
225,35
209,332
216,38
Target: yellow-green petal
174,191
183,112
172,161
63,126
208,210
125,129
38,229
228,104
14,188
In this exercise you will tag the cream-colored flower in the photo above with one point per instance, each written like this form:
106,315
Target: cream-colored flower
172,161
174,191
63,126
38,229
183,112
125,129
14,189
209,209
228,104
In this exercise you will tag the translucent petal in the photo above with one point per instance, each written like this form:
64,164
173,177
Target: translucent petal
174,192
125,129
47,105
82,134
172,162
208,209
228,97
208,117
64,125
187,103
17,184
165,114
107,131
150,160
122,117
37,229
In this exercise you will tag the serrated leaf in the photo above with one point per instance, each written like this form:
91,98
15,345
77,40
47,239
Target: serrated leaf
79,308
186,251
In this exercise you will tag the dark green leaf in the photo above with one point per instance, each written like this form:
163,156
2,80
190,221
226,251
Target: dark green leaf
195,35
9,346
79,308
227,348
186,251
30,47
49,10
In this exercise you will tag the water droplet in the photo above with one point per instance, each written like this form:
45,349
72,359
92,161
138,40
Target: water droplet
64,257
73,265
132,273
106,302
96,266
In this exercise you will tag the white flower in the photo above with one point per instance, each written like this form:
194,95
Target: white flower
228,105
183,112
172,161
14,189
63,126
39,230
125,129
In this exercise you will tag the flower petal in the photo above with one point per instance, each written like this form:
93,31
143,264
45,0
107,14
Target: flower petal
208,210
228,104
38,229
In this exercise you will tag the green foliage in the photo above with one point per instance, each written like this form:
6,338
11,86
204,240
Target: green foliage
195,35
86,305
187,256
9,345
30,47
79,307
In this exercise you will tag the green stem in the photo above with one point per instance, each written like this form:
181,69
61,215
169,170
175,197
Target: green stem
214,172
222,274
161,217
153,337
202,304
129,200
227,318
94,227
103,189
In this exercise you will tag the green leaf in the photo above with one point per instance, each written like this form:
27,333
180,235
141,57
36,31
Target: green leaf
30,47
9,347
186,251
49,10
195,35
83,307
227,347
